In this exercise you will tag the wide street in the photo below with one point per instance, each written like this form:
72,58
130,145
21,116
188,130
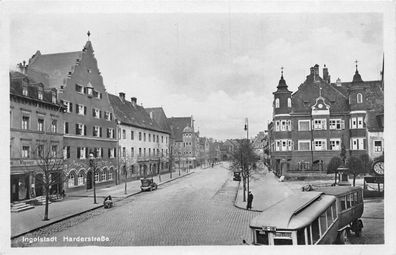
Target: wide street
195,210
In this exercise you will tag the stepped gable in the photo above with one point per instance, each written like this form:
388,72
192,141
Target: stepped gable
159,117
52,69
177,125
132,114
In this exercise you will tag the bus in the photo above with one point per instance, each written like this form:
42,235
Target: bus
321,216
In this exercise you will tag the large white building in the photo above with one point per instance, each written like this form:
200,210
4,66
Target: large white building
143,144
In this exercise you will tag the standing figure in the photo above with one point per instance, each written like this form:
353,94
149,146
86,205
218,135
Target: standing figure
250,200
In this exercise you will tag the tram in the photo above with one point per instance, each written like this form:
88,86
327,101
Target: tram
321,216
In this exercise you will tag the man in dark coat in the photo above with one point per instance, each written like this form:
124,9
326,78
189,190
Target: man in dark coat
250,200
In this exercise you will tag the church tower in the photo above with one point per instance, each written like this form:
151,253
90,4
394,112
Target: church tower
282,98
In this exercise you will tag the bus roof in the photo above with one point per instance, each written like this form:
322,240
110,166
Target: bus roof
337,190
281,214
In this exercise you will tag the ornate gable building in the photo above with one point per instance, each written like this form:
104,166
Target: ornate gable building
89,124
310,126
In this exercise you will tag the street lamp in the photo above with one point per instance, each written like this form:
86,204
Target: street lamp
93,167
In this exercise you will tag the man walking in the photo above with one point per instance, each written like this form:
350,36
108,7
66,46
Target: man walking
250,200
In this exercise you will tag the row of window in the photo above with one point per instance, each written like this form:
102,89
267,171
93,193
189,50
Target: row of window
156,152
82,110
320,124
155,138
88,90
25,125
350,200
359,100
312,233
83,152
81,130
100,176
40,152
321,144
40,94
277,105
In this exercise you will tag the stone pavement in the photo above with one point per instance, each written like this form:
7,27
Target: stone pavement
77,203
266,189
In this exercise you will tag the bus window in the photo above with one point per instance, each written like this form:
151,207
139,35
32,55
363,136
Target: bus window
261,237
322,222
315,231
354,198
283,241
342,202
300,236
308,228
349,201
334,211
329,218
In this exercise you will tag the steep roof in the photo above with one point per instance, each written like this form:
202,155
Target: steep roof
18,80
159,116
133,115
375,121
53,68
177,124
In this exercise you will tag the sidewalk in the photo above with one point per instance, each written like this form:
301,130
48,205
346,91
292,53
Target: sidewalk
266,189
79,202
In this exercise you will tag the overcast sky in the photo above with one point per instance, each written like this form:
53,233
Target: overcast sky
220,68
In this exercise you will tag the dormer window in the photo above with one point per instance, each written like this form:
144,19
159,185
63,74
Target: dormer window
53,97
79,88
25,91
40,95
289,102
277,103
359,98
89,89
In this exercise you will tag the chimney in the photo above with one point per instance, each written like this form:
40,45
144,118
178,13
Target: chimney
22,67
326,75
133,101
338,82
316,69
122,96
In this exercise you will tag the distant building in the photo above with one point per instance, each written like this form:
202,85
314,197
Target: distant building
204,151
259,143
89,125
186,143
143,144
310,126
36,126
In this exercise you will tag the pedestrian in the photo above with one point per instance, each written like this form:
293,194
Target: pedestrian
108,202
250,200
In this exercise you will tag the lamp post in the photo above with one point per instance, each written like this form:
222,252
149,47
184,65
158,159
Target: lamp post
93,167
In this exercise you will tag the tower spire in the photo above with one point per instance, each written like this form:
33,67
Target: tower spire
356,64
282,71
89,34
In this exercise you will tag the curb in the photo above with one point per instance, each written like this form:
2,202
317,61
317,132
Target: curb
91,209
243,208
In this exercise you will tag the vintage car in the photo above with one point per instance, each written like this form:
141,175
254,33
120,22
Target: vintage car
148,184
237,176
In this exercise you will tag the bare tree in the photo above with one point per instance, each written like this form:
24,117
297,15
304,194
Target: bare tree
244,160
333,165
50,166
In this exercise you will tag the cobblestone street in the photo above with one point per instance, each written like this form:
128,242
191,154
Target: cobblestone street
195,210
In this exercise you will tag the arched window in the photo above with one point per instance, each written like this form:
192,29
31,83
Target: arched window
103,176
359,98
277,103
81,178
71,179
289,102
96,176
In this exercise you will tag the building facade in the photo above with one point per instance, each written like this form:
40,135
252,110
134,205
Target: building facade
36,136
143,144
311,125
89,125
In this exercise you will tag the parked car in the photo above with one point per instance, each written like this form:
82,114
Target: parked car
148,184
237,176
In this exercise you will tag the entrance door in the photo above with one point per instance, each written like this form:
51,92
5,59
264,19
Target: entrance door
89,180
14,189
38,185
